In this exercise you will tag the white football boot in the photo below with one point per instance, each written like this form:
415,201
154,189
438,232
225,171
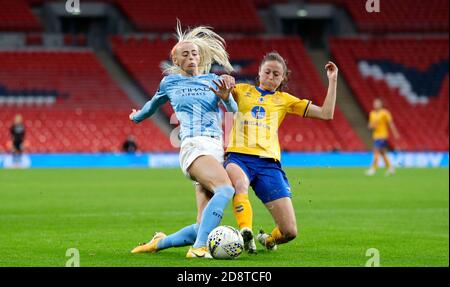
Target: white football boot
266,240
249,240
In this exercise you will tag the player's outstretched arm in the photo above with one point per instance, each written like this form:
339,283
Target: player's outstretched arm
148,109
326,111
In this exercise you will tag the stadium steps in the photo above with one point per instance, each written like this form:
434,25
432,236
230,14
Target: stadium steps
345,98
269,21
345,22
136,95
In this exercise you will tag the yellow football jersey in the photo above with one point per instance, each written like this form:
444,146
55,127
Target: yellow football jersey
260,113
380,120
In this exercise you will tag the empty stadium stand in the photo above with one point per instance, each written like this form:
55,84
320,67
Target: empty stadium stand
158,15
88,112
410,75
397,15
17,16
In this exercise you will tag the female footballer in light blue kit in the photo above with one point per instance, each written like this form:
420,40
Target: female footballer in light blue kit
189,88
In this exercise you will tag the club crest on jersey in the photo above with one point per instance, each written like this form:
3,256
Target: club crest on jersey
258,112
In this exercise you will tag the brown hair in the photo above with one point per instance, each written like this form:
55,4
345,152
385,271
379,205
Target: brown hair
275,56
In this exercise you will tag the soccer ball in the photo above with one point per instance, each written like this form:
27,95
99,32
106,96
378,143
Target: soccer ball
225,242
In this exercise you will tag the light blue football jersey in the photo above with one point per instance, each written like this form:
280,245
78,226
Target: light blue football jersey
195,105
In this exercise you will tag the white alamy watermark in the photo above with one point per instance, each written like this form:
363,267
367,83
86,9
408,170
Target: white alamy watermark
74,260
73,7
255,128
374,260
373,6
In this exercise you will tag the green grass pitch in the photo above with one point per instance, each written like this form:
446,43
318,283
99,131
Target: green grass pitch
104,213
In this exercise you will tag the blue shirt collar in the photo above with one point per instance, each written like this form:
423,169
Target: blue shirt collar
264,92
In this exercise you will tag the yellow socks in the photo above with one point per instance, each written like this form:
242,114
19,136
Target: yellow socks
243,211
277,236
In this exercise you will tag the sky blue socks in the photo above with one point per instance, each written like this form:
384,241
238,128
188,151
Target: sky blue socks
182,237
211,217
213,212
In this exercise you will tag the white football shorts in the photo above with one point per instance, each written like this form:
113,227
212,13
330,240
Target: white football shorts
192,148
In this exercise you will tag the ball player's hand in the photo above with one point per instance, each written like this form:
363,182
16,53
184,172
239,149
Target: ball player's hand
223,89
332,70
134,111
229,80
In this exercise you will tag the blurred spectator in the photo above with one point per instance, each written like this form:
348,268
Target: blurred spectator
129,145
17,131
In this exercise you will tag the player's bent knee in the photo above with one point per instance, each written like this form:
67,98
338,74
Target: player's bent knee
241,188
290,233
219,182
214,183
290,236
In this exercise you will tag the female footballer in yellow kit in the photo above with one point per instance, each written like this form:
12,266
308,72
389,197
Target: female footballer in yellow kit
380,120
253,153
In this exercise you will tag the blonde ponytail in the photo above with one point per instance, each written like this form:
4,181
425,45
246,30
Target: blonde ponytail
211,49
